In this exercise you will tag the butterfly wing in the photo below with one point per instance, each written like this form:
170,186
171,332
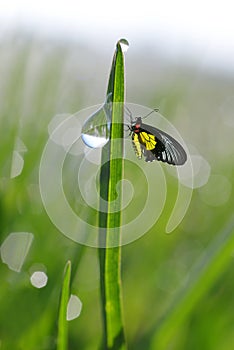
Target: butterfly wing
158,145
137,145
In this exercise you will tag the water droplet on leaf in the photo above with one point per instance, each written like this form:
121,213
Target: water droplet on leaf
124,44
96,130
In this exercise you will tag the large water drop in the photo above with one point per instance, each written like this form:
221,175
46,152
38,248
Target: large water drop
96,130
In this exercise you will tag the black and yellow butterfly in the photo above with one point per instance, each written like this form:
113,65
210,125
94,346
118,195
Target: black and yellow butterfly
155,144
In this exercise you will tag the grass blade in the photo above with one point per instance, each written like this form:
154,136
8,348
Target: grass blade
111,175
62,340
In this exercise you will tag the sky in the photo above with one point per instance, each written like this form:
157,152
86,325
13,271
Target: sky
201,27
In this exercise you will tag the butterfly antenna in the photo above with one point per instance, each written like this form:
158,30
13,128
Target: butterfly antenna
126,127
154,110
129,113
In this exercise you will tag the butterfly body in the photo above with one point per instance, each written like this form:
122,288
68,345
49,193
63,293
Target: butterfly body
155,144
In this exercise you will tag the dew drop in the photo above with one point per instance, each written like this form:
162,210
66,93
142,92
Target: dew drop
95,131
94,141
15,249
39,279
17,164
74,307
124,44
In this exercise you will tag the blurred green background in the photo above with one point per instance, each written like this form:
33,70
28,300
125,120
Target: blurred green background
42,77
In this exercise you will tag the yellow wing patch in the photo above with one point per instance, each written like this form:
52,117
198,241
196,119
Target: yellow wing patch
137,146
148,140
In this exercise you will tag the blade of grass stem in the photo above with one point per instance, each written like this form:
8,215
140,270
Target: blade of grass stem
110,176
62,340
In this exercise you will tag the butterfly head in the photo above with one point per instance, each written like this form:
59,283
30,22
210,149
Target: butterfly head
136,124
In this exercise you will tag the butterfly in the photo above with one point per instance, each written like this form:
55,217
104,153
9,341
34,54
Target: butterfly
155,144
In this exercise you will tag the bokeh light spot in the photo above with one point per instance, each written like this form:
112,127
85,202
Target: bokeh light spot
39,279
15,249
73,308
20,146
17,164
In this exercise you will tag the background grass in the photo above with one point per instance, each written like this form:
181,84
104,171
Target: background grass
41,78
62,337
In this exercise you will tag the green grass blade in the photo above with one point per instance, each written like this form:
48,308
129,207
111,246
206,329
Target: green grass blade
111,174
202,276
62,340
